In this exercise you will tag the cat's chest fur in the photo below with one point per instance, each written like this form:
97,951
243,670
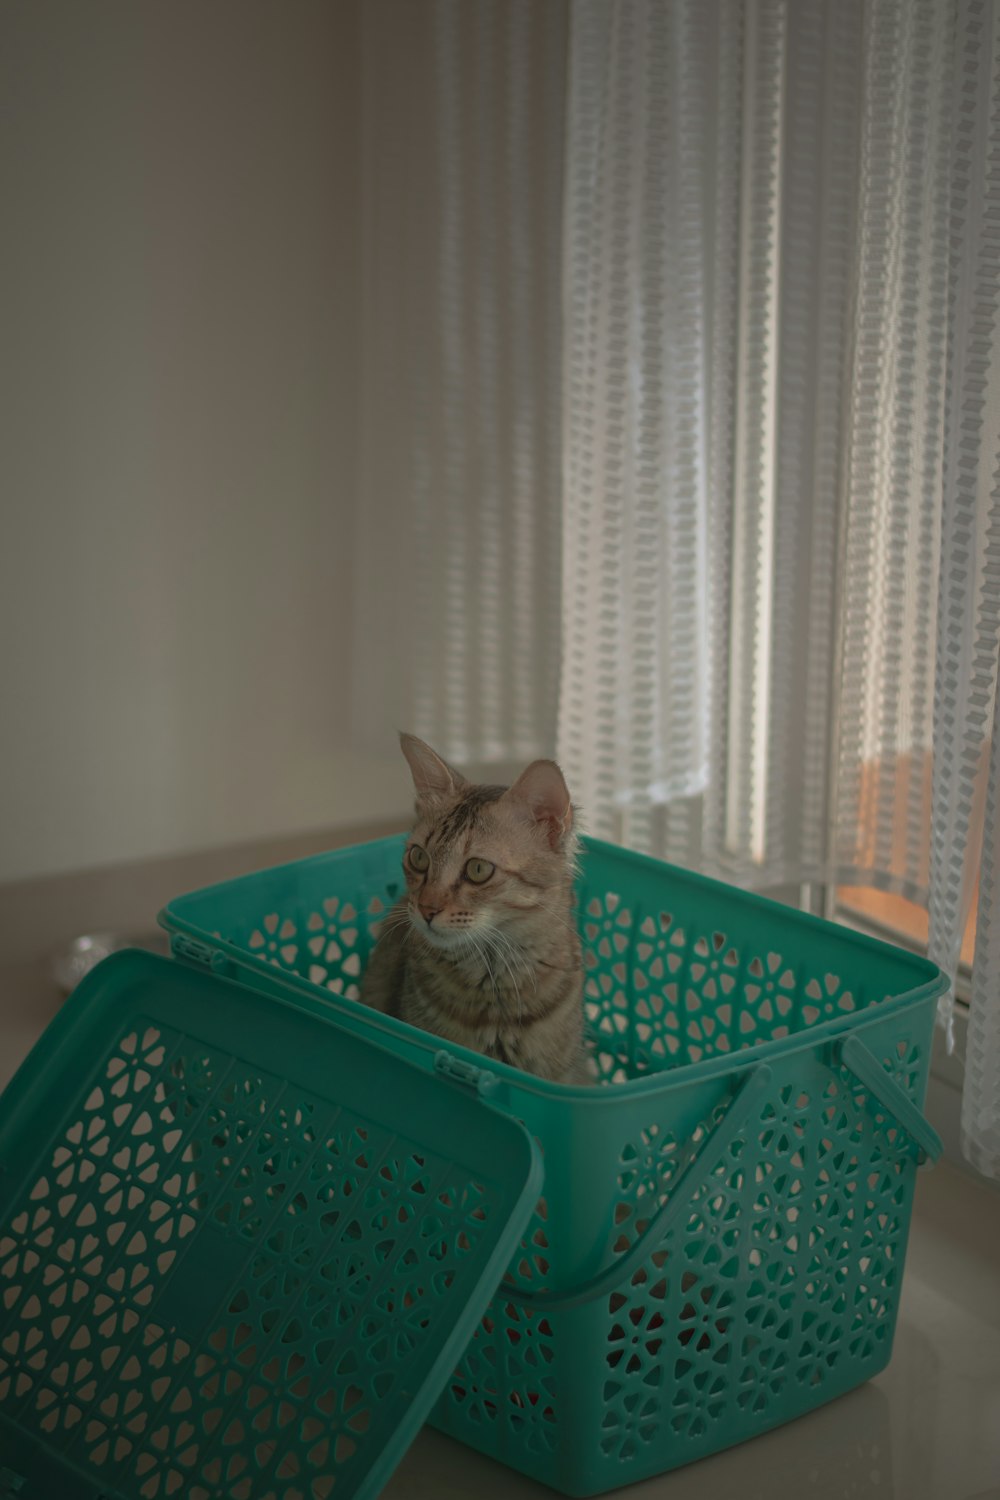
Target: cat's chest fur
529,1015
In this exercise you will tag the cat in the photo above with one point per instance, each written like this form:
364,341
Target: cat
483,949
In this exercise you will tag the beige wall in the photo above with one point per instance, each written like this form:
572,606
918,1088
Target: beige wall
178,294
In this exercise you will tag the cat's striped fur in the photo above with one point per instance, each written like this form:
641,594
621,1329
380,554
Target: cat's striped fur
483,949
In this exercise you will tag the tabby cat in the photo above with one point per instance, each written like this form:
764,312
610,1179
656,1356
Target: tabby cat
483,948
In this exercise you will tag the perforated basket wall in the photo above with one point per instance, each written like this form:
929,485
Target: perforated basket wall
721,1239
239,1253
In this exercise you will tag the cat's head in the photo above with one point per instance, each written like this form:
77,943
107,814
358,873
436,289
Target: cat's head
486,859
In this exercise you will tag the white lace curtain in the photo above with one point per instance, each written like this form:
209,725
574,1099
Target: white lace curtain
463,137
682,431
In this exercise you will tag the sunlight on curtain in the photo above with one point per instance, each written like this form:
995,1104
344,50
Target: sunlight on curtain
634,695
892,502
712,173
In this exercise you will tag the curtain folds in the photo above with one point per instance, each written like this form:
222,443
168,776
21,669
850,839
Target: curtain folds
965,777
681,448
713,172
457,632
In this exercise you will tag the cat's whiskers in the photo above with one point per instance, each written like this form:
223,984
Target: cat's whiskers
482,956
488,954
519,954
489,938
398,917
483,951
401,921
516,953
479,949
510,956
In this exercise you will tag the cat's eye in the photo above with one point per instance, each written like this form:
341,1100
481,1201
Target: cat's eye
479,871
419,859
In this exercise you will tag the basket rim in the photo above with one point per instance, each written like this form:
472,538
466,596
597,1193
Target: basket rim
933,984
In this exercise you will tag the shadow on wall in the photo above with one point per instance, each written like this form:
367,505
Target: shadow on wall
178,456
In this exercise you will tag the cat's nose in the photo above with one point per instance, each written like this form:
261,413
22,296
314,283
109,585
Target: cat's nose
428,912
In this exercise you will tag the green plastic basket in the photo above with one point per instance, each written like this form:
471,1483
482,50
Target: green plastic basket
720,1239
251,1232
240,1251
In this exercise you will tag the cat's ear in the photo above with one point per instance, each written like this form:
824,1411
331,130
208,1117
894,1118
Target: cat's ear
432,776
542,790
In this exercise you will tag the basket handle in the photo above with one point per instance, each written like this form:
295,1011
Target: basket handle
859,1060
747,1097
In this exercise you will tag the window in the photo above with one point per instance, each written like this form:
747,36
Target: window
888,914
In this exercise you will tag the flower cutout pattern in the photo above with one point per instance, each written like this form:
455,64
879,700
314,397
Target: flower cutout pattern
130,1069
85,1148
646,1166
330,945
475,1386
659,956
708,1010
705,1317
635,1337
633,1415
905,1064
334,947
766,1344
659,950
700,1399
526,1350
871,1322
820,1345
186,1084
830,1256
827,999
61,1403
378,907
273,941
783,1125
714,1230
607,937
769,999
532,1266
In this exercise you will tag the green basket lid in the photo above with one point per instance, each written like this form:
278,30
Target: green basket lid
241,1251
